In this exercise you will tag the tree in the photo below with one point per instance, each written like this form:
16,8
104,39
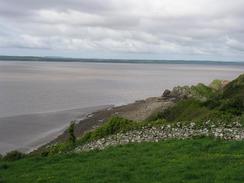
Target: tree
71,129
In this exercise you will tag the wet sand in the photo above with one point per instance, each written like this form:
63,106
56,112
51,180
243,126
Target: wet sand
27,132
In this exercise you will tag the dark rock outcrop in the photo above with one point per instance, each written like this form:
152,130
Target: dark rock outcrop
166,93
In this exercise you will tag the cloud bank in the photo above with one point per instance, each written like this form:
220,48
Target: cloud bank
164,29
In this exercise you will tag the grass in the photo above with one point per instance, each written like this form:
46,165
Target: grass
172,161
192,110
202,90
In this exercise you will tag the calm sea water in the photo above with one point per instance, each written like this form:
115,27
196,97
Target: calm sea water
46,87
30,87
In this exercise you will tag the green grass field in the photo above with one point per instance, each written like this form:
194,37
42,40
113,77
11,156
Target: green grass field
172,161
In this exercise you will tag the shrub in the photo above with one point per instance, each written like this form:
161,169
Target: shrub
216,85
72,138
185,110
114,125
233,105
13,156
201,90
59,148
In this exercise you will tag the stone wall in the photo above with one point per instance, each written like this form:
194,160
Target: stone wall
233,131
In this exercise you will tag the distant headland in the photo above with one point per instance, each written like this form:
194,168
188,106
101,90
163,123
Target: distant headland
97,60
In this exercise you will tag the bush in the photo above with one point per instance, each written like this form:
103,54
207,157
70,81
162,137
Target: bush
13,156
185,110
201,90
216,85
58,148
114,125
72,138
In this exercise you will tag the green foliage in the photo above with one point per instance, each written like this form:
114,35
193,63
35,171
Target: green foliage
115,125
186,110
58,148
232,98
197,160
72,138
13,156
225,104
235,88
201,90
194,110
216,85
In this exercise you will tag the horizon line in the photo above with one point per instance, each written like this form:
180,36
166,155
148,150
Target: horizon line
54,58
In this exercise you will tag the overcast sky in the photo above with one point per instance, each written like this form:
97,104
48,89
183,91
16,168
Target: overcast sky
136,29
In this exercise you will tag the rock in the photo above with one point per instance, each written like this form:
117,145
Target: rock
177,131
166,93
181,92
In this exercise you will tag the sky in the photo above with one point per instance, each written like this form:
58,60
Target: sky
124,29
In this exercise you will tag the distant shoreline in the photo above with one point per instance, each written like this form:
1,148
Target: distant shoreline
132,61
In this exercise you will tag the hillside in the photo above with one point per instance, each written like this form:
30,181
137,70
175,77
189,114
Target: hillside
198,139
199,160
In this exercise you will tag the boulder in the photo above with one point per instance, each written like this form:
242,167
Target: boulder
181,92
166,93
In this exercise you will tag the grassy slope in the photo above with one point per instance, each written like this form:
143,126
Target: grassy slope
227,104
198,160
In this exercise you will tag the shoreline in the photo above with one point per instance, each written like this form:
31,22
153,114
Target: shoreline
139,110
31,131
86,119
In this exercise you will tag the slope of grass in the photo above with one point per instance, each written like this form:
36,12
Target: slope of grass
225,105
198,161
231,99
235,88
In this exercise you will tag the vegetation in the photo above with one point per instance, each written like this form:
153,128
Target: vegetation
13,156
115,125
202,90
72,138
216,108
198,160
225,105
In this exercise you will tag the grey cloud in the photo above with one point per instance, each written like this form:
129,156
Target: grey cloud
206,27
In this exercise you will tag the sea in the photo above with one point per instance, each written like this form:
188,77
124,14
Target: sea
38,99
